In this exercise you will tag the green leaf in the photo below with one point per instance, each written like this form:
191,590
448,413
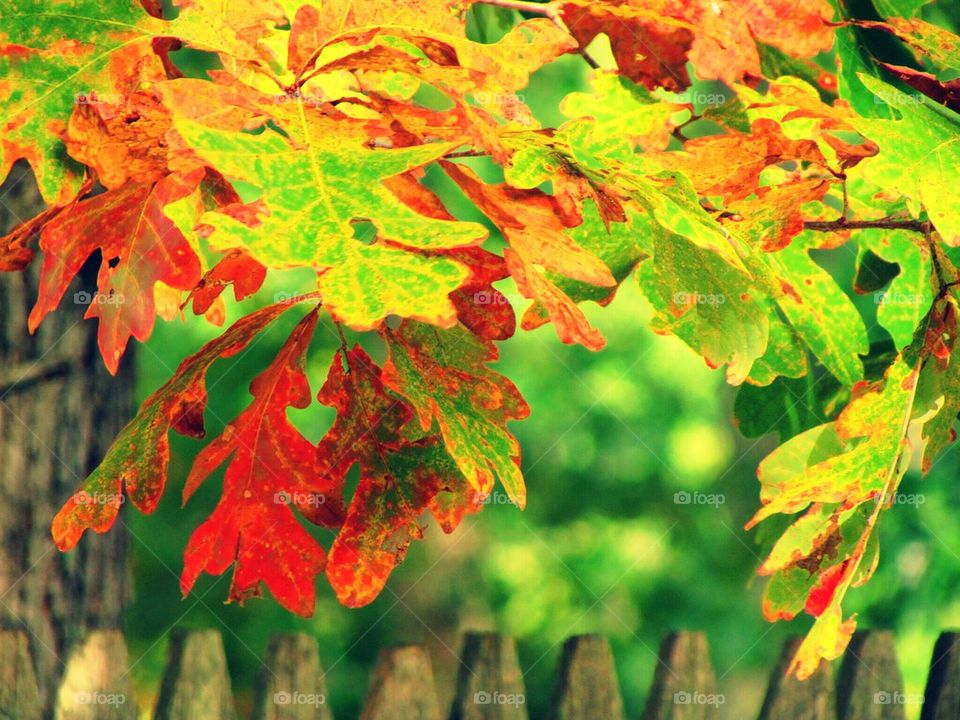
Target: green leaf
712,306
315,196
918,155
848,461
614,119
785,355
905,302
818,309
444,376
899,8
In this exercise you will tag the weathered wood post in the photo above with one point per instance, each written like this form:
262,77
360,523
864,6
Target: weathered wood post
684,686
402,686
787,697
870,686
195,684
489,684
587,684
291,685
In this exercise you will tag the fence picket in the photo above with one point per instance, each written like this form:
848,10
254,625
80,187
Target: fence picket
587,686
291,685
97,683
869,685
401,686
684,686
489,682
19,693
942,695
195,683
787,697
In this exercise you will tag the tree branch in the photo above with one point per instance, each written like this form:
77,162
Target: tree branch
881,224
20,377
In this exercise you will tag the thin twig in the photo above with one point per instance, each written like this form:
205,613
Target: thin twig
465,154
343,339
881,224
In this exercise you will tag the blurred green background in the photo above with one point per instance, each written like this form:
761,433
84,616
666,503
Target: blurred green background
603,546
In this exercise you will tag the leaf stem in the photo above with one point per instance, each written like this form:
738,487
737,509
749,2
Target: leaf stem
343,340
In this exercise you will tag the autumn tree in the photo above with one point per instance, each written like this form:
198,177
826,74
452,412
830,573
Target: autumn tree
721,149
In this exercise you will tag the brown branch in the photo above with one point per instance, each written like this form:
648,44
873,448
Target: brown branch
465,154
881,224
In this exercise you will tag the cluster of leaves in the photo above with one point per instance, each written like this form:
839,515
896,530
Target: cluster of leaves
307,146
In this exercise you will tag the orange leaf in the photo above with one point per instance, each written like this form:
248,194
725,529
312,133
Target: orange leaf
139,246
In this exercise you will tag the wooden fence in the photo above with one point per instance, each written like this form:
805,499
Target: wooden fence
490,686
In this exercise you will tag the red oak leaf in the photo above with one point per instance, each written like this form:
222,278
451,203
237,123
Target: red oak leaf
399,477
272,469
139,246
